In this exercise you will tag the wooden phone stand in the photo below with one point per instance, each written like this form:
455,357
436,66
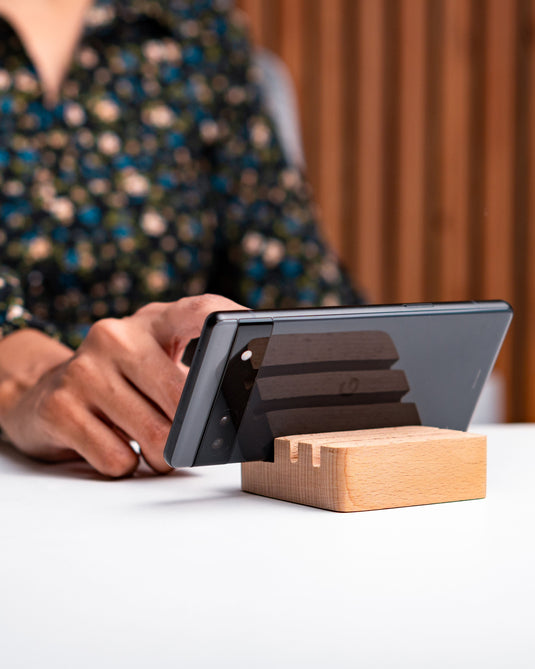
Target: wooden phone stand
361,470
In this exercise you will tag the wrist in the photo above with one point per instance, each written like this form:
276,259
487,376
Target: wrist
25,356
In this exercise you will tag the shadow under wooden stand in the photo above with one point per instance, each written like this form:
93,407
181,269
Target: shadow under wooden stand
362,470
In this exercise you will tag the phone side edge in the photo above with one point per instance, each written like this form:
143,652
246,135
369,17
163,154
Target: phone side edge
199,392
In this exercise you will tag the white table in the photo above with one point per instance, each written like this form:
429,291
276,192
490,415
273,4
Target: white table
188,571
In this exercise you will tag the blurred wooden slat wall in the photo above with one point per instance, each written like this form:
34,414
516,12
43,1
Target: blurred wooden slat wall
418,121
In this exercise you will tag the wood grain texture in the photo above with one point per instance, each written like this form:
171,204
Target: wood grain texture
528,361
253,9
373,469
498,228
413,72
416,149
453,263
331,102
499,125
369,148
293,43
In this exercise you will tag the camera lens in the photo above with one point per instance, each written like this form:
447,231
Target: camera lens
224,420
217,443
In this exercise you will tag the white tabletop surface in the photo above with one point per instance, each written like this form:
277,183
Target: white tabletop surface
188,571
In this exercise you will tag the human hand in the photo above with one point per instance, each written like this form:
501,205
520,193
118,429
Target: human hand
122,384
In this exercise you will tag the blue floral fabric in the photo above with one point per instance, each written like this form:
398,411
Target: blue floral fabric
156,175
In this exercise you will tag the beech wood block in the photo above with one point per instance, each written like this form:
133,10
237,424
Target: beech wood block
361,470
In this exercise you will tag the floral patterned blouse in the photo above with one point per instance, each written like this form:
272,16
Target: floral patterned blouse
155,176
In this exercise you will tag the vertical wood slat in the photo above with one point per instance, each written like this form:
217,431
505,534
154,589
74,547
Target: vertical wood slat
390,181
529,305
331,144
477,143
368,251
519,371
292,44
455,142
499,143
409,269
310,102
497,251
253,9
271,19
433,159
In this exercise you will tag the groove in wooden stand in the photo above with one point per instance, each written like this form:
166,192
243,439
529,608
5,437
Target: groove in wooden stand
361,470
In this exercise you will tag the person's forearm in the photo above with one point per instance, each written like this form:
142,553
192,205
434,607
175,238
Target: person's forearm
24,357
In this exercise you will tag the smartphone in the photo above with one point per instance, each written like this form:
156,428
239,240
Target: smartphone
257,375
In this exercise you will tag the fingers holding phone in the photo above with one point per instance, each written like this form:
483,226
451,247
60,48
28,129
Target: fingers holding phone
123,383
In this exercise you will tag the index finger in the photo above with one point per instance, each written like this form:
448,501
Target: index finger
183,320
